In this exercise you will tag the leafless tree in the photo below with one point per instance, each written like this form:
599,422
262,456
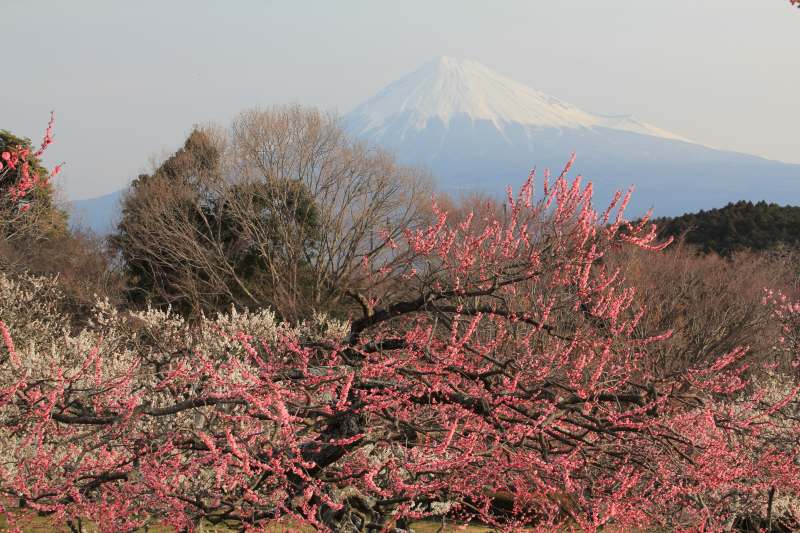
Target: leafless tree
712,304
283,209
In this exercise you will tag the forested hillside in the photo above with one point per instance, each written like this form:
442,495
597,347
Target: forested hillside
737,226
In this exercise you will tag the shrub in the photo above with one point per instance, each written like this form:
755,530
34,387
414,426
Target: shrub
27,208
35,238
712,304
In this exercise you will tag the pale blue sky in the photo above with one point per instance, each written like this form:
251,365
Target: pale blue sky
128,79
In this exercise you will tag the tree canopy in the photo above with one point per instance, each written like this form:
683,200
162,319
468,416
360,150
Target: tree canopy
281,210
737,226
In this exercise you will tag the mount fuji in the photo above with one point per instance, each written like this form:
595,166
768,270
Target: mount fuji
477,130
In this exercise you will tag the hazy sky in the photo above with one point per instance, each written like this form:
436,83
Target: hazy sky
128,79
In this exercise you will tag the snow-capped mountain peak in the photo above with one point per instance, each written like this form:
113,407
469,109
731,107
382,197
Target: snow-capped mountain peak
447,87
477,130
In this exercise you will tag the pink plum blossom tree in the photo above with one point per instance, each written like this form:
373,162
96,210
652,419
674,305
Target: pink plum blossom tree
507,386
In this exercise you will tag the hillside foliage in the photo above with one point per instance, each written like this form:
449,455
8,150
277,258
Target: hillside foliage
743,225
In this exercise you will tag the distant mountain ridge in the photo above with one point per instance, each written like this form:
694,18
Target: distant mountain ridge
97,214
478,130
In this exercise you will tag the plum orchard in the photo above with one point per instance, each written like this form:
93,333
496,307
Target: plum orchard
506,386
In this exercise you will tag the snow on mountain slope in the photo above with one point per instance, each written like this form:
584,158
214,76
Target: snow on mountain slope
447,88
629,123
476,130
